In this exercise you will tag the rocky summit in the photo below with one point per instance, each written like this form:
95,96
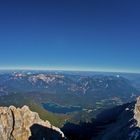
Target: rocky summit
23,124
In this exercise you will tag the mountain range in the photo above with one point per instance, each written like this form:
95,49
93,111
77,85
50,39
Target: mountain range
85,106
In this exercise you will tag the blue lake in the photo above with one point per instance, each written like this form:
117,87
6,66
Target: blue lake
55,108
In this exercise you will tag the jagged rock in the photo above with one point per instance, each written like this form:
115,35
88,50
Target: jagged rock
23,124
137,112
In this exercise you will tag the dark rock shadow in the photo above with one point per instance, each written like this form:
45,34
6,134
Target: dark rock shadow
83,130
97,127
39,132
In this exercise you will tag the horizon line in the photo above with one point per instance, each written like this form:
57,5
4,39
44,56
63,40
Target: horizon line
69,69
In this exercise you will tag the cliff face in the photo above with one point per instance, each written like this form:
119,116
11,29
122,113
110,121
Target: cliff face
23,124
137,112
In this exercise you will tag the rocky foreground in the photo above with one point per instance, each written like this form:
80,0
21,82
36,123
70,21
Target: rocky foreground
119,123
23,124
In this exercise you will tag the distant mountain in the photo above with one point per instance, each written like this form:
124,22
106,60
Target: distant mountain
61,83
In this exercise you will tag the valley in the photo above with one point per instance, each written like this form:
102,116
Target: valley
62,97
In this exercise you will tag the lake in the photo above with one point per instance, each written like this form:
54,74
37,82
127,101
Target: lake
56,108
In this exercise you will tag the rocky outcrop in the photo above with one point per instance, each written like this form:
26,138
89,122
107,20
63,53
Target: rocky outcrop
23,124
137,112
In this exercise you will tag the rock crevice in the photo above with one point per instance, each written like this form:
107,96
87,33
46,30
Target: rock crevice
13,117
23,124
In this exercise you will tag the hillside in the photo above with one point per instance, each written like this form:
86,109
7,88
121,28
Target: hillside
119,123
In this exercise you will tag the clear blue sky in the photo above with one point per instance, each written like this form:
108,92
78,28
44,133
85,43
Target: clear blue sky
70,34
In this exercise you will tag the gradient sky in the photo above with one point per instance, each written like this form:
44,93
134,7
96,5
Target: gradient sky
70,34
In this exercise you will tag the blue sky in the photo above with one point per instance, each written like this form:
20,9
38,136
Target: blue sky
70,34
